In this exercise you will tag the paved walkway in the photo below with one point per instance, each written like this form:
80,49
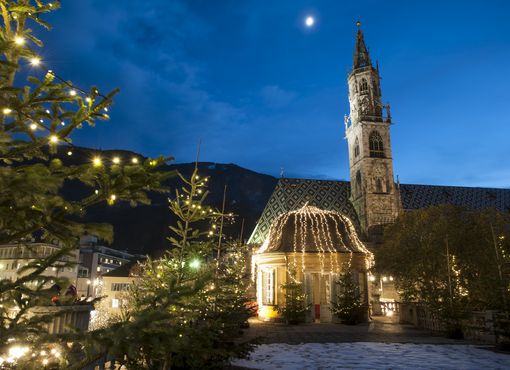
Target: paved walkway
378,330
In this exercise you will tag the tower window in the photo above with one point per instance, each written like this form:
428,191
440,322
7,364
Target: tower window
378,185
358,183
363,86
376,145
356,148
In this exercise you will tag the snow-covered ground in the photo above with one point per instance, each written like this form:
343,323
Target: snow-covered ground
365,355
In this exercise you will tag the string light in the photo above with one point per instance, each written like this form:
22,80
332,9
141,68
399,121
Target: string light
18,40
195,264
7,111
35,61
116,160
97,161
72,92
311,228
69,153
54,139
134,160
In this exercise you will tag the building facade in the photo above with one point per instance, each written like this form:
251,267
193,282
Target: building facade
15,256
95,261
372,198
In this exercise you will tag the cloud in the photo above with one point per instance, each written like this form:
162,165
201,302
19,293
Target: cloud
146,49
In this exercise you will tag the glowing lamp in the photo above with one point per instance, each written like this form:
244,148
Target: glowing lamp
195,264
17,351
267,313
97,161
116,160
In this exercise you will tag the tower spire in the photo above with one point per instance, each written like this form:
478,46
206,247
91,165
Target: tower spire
361,55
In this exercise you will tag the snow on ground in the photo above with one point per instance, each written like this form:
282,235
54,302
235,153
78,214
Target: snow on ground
367,355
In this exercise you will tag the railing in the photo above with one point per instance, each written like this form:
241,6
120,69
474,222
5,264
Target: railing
65,318
374,118
479,325
385,308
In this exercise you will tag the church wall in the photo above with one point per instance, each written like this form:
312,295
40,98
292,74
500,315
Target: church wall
280,263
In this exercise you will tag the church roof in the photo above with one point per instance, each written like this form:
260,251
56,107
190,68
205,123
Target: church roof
311,229
422,196
292,194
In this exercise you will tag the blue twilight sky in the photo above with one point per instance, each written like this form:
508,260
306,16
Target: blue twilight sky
263,91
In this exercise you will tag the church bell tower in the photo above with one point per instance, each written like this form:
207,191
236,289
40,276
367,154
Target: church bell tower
374,193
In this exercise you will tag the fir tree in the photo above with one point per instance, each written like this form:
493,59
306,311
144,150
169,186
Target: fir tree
348,306
37,120
296,308
188,307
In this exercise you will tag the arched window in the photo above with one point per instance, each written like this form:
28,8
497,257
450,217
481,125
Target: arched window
356,148
378,186
376,145
363,86
358,184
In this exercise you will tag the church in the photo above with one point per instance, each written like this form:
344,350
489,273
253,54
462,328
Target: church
317,228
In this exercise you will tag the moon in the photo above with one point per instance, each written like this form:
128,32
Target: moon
309,21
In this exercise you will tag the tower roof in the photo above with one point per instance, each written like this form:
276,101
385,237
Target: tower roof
361,56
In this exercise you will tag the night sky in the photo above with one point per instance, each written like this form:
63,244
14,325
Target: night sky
263,91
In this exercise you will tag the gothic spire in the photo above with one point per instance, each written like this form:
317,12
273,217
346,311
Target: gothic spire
361,55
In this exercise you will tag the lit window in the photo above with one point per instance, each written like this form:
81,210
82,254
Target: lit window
98,268
268,287
376,145
115,303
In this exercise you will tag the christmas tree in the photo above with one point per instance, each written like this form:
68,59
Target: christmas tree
295,309
189,306
348,306
38,115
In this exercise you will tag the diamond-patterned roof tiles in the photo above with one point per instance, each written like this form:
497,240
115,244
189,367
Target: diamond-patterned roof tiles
292,194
